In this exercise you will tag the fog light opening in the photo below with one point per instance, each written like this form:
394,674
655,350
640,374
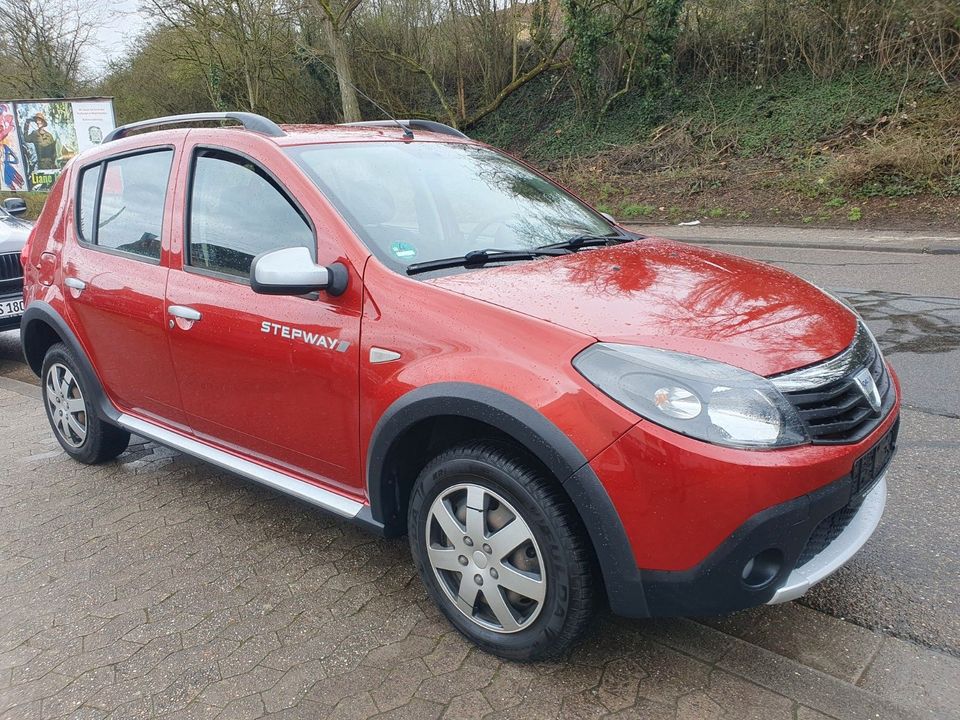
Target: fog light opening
762,568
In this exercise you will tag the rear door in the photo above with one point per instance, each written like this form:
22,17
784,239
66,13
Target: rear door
272,377
115,275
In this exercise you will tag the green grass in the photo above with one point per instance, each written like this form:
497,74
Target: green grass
636,211
893,186
522,125
791,112
781,118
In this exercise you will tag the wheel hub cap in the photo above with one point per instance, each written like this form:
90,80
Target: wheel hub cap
68,411
485,557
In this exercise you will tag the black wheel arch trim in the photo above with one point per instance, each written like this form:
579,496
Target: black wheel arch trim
538,436
41,312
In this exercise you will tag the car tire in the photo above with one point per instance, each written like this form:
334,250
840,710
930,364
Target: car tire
69,405
526,594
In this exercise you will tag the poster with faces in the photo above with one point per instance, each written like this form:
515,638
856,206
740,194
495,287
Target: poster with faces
40,137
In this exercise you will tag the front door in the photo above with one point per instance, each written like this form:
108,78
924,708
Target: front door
274,377
115,281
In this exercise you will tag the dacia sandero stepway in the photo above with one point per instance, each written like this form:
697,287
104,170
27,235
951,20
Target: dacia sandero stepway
418,333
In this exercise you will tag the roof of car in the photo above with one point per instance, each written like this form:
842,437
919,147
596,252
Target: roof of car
311,134
293,134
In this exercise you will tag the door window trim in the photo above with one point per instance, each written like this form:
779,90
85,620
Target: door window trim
195,152
78,190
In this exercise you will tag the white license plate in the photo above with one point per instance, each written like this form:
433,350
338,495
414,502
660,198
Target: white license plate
11,308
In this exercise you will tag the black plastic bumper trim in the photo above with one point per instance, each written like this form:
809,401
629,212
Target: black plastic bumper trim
715,585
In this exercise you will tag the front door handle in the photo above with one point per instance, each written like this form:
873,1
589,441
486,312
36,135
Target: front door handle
185,313
75,284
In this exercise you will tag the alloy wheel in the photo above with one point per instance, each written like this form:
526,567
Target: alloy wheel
68,411
486,558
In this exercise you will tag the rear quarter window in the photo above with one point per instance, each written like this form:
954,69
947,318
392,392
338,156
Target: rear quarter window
120,203
89,181
130,217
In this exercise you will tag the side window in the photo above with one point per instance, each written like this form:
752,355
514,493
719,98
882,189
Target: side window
130,215
89,181
237,212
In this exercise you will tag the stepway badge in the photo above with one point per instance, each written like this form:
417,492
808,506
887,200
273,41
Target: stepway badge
327,342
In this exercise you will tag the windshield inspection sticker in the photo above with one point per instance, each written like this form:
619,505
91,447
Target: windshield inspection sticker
403,250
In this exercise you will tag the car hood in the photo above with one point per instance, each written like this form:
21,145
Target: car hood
13,234
673,296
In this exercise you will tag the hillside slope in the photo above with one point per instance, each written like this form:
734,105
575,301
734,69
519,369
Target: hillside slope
858,148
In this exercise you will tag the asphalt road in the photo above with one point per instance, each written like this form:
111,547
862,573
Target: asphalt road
906,581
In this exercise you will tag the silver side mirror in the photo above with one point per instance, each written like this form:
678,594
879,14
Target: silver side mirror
292,271
609,217
15,206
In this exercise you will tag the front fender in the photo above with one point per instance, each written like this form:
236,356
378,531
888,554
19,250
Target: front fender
528,428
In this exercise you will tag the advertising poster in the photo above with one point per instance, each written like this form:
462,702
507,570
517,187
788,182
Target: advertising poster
48,139
39,137
92,119
12,172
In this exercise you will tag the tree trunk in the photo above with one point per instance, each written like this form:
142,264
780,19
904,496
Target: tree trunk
341,61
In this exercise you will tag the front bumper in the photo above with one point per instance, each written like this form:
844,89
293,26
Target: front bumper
776,554
835,555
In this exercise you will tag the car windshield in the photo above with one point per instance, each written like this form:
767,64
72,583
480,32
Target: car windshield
421,201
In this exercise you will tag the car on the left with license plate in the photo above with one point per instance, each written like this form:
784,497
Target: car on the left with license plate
13,235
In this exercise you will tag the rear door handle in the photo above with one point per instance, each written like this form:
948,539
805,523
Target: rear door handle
186,313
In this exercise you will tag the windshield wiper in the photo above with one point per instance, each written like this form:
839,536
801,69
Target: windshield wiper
482,257
582,241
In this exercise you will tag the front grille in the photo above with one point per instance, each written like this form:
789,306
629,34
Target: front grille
831,404
10,268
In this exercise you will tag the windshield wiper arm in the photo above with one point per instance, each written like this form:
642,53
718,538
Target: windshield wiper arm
581,241
482,257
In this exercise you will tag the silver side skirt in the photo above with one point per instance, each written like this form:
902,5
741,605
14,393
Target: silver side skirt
837,553
338,504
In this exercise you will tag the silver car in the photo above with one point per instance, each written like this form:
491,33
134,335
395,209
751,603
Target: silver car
13,235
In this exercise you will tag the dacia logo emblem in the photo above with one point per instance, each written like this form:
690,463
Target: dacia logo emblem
869,389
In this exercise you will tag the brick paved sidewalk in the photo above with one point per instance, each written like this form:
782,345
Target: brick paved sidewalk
157,586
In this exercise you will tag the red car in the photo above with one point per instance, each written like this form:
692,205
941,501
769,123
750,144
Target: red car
421,334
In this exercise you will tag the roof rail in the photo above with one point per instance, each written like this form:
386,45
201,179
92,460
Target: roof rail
414,124
251,121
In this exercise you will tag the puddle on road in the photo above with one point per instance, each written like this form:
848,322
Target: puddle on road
909,323
921,336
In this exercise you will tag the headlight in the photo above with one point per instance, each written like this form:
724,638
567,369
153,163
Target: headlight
700,398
